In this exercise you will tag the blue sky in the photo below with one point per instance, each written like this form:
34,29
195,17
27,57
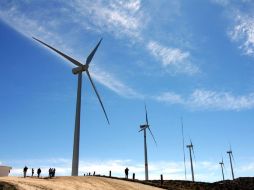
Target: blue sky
190,59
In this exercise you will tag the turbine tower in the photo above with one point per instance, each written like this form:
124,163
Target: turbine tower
222,167
143,128
190,147
230,154
79,70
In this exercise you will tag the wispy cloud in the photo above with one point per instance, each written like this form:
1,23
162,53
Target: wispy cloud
118,17
170,97
211,100
173,59
243,32
242,29
115,85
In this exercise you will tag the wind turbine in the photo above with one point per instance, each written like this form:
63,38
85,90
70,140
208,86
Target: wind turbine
230,154
143,128
191,150
183,141
222,167
79,70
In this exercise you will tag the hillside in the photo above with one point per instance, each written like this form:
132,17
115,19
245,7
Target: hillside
69,183
106,183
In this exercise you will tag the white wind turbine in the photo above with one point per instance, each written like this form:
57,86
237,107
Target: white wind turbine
191,150
79,70
230,154
222,169
143,128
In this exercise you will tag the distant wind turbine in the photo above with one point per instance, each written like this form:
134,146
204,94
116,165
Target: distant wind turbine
230,154
184,160
143,128
222,168
79,70
191,150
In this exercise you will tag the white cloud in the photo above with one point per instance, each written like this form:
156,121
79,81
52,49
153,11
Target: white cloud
247,168
243,32
204,170
170,97
174,59
118,17
242,29
113,84
167,55
212,100
220,100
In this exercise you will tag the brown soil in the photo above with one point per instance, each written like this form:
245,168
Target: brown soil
71,183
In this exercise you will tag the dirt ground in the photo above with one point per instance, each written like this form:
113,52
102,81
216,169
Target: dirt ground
71,183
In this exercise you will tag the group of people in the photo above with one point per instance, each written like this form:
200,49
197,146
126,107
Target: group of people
89,174
126,171
38,171
52,172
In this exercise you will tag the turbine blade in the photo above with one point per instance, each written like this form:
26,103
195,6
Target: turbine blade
75,62
90,56
233,157
183,150
232,153
193,151
98,96
152,135
193,154
146,115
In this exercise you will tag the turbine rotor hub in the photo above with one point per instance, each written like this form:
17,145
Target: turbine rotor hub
79,69
143,126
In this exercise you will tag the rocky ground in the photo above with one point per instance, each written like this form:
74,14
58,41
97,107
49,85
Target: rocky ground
242,183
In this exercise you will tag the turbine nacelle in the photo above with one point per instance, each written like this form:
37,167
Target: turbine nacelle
190,146
80,69
143,127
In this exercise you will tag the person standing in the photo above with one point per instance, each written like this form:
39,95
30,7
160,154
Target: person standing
50,172
54,172
39,172
126,173
25,170
32,172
